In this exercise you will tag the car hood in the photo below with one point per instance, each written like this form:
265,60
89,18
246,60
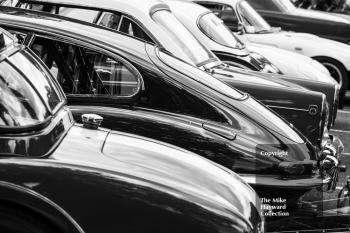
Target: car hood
295,39
254,77
290,63
318,15
162,167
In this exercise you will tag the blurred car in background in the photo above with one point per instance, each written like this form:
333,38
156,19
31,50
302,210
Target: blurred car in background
210,31
340,6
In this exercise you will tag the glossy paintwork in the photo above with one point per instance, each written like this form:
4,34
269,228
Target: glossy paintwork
315,22
331,92
39,145
83,180
270,91
310,128
282,100
130,181
227,54
198,125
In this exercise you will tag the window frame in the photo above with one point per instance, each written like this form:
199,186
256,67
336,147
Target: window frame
92,97
23,4
132,19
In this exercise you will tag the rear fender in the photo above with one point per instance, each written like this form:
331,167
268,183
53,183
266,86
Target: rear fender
33,201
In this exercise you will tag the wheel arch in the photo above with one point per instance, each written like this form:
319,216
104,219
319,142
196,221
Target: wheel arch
22,197
340,63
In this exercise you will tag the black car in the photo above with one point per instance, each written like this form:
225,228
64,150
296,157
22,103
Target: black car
341,7
61,177
152,22
141,89
282,13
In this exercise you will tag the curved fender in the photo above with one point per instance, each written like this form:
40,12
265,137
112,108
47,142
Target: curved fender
34,201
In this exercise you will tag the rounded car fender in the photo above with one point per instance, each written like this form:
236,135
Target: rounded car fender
25,197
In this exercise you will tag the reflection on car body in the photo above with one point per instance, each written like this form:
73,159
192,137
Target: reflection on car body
53,170
180,108
163,29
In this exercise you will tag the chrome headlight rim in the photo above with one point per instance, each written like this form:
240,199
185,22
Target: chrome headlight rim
268,67
325,138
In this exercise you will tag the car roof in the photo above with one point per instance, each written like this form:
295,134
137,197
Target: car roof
195,11
138,10
40,21
120,5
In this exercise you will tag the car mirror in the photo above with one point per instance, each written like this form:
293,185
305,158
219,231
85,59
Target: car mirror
240,29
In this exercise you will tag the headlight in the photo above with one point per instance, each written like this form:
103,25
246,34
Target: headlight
267,66
270,68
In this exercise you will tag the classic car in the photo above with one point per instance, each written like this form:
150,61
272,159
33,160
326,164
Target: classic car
204,25
60,177
282,13
341,7
335,56
287,99
115,75
214,34
141,89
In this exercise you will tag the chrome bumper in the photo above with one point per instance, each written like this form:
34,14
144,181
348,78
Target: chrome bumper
330,163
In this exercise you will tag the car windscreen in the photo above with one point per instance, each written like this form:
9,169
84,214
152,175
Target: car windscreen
20,104
214,28
195,51
252,18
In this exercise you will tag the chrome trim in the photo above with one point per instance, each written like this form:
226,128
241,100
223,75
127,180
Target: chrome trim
296,109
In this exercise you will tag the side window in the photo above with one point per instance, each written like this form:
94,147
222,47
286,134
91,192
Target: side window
110,20
38,7
131,28
85,15
81,71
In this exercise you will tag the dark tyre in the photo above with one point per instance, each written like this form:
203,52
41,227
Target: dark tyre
339,73
15,220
